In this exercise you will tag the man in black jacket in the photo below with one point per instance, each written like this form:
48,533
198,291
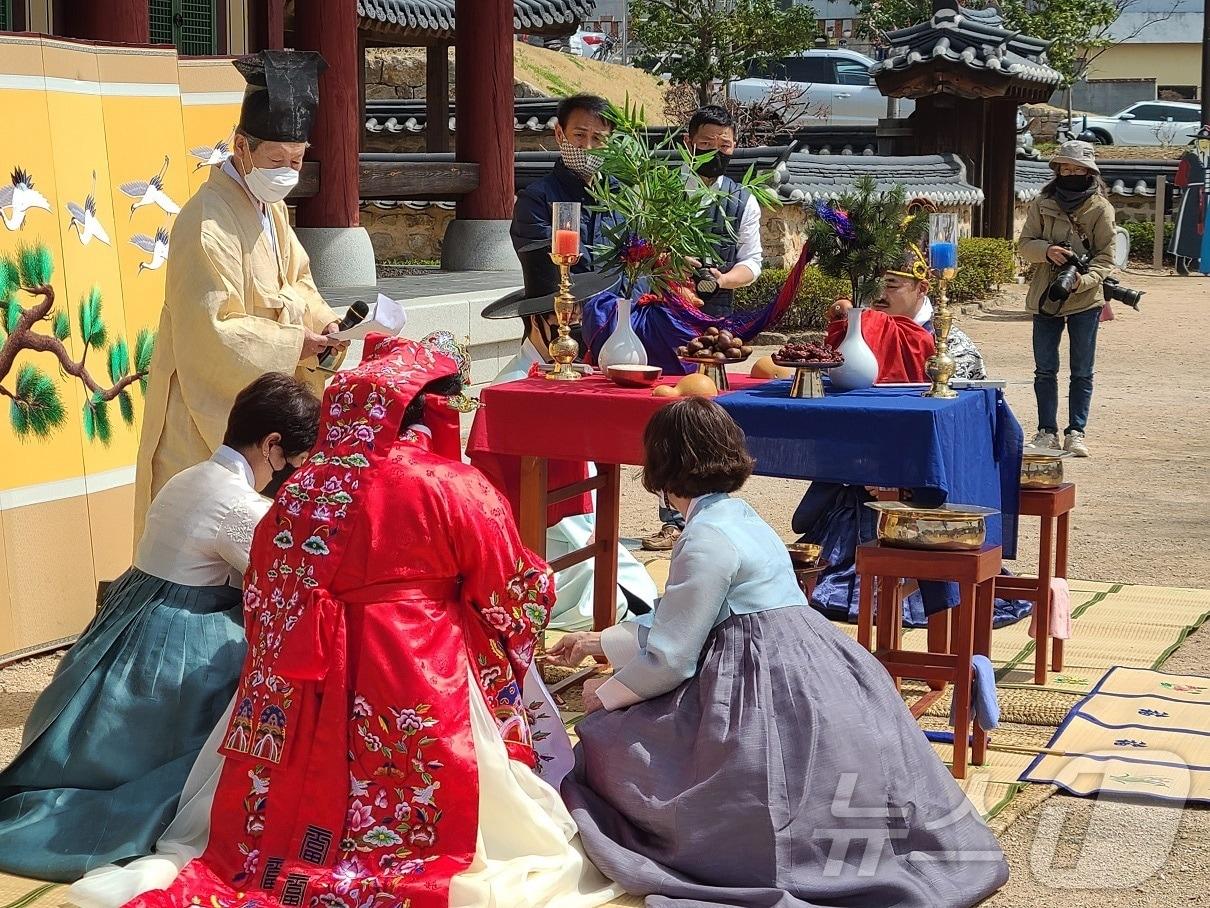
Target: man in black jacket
582,125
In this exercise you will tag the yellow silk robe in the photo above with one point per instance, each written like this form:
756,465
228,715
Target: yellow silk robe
233,310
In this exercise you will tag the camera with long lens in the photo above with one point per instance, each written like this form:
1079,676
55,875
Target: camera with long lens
1068,278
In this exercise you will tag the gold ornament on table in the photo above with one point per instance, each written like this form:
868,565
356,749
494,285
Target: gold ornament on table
943,260
564,252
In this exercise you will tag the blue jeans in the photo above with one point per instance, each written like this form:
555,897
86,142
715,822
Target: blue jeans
671,517
1082,346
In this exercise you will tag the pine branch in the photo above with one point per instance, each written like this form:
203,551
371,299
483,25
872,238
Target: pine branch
25,338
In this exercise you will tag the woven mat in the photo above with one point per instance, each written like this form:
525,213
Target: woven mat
1138,732
18,892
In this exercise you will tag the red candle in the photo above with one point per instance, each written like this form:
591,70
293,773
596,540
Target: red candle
567,242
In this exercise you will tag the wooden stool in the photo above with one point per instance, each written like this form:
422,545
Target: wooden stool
970,633
1054,507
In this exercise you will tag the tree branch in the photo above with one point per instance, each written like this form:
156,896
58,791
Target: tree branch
25,338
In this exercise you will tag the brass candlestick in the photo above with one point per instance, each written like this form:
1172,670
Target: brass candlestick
941,366
563,349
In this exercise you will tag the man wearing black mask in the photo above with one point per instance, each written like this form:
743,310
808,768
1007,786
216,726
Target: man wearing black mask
736,218
581,126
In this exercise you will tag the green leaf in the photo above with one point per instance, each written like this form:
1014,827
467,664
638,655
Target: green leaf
126,405
96,420
92,328
144,346
10,278
36,265
36,408
62,325
12,315
119,360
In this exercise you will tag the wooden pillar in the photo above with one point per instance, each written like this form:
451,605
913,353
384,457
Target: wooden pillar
361,92
437,98
268,25
484,104
1000,168
331,28
119,21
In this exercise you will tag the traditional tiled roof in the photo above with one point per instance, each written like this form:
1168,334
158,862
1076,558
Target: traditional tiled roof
537,115
1125,177
435,18
975,39
802,179
941,179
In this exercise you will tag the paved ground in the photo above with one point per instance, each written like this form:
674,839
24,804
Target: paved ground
1144,517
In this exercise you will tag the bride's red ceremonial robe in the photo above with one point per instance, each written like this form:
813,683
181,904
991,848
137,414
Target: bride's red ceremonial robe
391,611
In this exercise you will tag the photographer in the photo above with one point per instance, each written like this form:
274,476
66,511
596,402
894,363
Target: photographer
1069,235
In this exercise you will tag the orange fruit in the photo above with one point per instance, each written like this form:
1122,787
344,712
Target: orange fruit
696,385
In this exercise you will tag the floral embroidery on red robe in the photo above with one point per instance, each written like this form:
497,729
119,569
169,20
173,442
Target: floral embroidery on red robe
387,586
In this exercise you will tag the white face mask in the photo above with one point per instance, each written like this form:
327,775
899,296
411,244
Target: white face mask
271,185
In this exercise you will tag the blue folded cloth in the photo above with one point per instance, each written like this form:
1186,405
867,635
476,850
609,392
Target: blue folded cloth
984,704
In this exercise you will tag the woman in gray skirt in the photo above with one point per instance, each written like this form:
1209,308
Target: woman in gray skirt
745,752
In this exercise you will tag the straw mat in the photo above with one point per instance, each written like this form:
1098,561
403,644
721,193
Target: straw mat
1139,732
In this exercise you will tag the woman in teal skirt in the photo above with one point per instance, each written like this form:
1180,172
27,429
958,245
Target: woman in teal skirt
109,743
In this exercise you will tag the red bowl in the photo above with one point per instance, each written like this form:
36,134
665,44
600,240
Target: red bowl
634,376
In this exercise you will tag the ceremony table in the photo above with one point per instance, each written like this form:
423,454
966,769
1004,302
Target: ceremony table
965,450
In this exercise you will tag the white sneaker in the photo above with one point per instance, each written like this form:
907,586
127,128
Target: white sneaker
1045,440
1074,443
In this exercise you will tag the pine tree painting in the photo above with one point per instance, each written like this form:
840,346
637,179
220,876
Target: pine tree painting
35,406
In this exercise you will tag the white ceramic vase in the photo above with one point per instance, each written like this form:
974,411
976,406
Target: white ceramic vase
860,368
623,347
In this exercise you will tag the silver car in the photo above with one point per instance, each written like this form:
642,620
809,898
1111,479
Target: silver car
834,85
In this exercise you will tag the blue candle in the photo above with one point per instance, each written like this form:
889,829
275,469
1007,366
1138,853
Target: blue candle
943,255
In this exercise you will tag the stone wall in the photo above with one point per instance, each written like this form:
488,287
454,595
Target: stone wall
404,233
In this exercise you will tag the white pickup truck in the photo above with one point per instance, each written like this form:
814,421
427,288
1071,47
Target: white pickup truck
835,80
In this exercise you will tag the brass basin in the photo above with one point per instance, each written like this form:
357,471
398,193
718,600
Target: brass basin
951,527
1042,468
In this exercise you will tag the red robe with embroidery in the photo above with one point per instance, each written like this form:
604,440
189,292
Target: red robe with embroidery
900,345
383,579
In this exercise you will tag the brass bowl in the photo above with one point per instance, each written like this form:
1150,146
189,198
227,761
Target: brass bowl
803,554
950,528
1042,468
634,376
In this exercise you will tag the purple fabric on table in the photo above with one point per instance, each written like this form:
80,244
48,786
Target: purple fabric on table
787,774
663,324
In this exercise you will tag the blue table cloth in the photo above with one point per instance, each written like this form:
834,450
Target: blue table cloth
966,450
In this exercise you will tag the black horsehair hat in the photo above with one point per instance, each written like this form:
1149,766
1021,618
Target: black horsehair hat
282,94
541,277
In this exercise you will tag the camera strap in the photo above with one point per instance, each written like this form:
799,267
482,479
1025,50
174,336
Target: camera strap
1080,233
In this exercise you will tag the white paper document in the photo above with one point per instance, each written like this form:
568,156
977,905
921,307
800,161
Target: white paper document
386,316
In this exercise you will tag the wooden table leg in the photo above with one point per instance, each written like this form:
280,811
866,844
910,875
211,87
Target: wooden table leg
865,609
534,489
938,639
962,677
531,522
985,605
605,563
1042,604
1056,656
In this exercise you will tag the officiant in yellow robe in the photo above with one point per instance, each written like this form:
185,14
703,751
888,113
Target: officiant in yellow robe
239,300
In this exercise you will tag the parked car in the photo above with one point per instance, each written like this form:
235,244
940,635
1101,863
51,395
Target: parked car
1142,123
834,79
586,44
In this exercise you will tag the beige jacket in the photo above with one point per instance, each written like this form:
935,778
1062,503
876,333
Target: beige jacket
233,310
1046,225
